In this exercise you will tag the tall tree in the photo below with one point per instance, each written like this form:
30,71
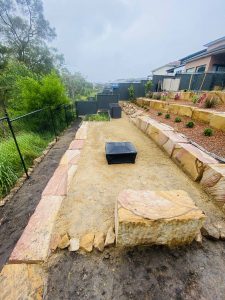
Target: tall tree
23,25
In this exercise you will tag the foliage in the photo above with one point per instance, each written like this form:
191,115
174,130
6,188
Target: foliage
156,96
190,124
210,102
177,120
167,116
131,92
23,24
208,132
37,94
97,117
76,85
149,95
159,113
164,96
10,164
195,99
148,86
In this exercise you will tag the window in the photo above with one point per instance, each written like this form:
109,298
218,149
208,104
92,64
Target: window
190,70
200,69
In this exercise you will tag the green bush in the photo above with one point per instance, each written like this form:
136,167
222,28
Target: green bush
167,116
31,146
208,132
177,120
190,124
156,96
159,113
195,99
98,117
36,94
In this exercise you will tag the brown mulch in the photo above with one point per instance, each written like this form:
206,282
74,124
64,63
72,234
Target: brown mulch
214,143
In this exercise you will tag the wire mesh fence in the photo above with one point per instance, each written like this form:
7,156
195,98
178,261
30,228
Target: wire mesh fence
24,138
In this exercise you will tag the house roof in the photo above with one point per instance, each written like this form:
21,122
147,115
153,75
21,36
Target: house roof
215,41
171,64
217,50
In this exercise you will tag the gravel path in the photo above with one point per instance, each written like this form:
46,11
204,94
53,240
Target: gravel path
15,215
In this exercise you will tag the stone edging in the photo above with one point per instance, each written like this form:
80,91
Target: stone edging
215,119
198,165
33,247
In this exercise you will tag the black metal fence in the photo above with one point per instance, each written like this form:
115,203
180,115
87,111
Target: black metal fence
22,139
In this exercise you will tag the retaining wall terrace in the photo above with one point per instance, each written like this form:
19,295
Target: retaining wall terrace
214,118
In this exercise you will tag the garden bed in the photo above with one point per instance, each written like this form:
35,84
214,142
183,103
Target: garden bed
214,143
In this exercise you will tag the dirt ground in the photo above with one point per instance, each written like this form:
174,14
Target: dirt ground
15,215
192,272
89,206
145,273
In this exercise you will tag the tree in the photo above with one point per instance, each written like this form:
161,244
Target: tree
22,25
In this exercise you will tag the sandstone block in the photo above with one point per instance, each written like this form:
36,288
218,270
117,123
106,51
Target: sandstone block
70,157
99,241
213,181
74,245
173,139
64,242
76,145
86,242
57,185
34,244
192,160
71,173
156,217
201,115
159,105
218,121
110,237
185,110
21,281
157,132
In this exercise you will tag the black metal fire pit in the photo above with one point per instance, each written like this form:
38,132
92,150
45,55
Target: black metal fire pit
120,152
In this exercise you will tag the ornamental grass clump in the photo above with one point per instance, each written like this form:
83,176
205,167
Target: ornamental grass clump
167,116
177,120
190,124
208,132
159,113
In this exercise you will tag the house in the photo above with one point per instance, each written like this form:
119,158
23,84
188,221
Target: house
163,70
211,59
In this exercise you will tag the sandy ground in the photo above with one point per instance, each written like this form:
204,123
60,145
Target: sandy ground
15,214
90,204
194,272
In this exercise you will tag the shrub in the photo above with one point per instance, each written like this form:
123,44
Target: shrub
159,113
195,99
208,132
156,96
190,124
167,116
210,102
98,117
177,120
177,96
149,95
131,92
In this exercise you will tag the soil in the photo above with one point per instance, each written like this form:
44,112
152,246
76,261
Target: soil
144,273
214,143
15,214
90,203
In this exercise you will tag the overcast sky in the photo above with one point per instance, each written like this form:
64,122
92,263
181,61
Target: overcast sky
111,39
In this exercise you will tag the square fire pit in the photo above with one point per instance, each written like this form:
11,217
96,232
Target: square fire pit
120,152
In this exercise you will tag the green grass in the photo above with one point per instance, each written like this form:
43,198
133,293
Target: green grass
31,146
97,117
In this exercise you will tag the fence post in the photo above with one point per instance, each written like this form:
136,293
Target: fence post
17,146
53,123
67,123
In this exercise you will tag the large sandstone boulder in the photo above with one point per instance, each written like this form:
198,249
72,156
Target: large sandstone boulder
192,160
213,181
201,115
156,217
